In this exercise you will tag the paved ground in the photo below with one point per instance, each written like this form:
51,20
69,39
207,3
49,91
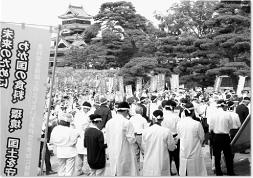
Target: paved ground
242,166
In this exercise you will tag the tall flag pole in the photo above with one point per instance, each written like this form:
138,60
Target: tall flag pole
50,98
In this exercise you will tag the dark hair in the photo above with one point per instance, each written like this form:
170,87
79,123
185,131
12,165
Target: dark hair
64,123
94,116
163,103
158,113
190,112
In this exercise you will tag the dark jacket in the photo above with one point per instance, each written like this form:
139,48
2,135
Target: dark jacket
144,114
105,112
94,142
242,111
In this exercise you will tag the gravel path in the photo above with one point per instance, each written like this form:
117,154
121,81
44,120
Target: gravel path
242,165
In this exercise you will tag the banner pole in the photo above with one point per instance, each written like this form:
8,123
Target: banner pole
50,98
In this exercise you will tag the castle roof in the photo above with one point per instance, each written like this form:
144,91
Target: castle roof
75,12
78,43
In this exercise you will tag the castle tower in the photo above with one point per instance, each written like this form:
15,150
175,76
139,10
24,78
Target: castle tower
74,22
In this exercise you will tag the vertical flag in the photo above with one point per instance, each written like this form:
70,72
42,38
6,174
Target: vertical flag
138,84
162,82
153,84
110,87
158,83
174,80
217,83
121,85
115,84
240,86
129,92
24,58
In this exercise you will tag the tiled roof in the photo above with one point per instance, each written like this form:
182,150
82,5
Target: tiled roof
62,40
78,43
76,12
73,37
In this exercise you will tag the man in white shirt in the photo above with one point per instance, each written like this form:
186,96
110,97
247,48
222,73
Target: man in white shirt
139,123
221,122
236,121
65,139
120,139
81,122
191,135
157,141
170,121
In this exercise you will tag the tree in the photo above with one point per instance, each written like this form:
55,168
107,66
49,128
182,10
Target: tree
187,18
141,67
184,25
90,56
113,45
194,73
229,39
120,17
91,32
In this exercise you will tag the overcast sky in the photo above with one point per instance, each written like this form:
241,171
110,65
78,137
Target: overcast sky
46,12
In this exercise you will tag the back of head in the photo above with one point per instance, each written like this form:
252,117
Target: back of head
123,106
163,103
170,105
158,115
95,118
153,98
221,103
189,109
138,109
86,105
103,101
246,100
142,99
230,105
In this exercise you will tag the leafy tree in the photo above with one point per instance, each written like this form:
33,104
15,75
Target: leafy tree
90,56
141,67
91,32
113,45
187,18
229,39
194,73
121,18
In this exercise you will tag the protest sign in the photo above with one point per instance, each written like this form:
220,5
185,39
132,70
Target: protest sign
24,60
139,84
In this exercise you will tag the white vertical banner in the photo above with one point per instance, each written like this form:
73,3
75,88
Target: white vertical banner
172,87
110,87
121,85
161,82
240,86
158,82
138,84
129,92
174,80
153,83
155,79
24,68
217,83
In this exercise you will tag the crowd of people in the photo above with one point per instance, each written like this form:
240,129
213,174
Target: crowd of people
90,130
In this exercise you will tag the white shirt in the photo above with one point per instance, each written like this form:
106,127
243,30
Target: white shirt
221,122
81,122
236,119
170,121
139,123
65,139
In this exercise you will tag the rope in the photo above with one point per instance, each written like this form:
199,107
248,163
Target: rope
28,24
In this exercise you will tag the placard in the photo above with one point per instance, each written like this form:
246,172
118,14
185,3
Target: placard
23,82
138,84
